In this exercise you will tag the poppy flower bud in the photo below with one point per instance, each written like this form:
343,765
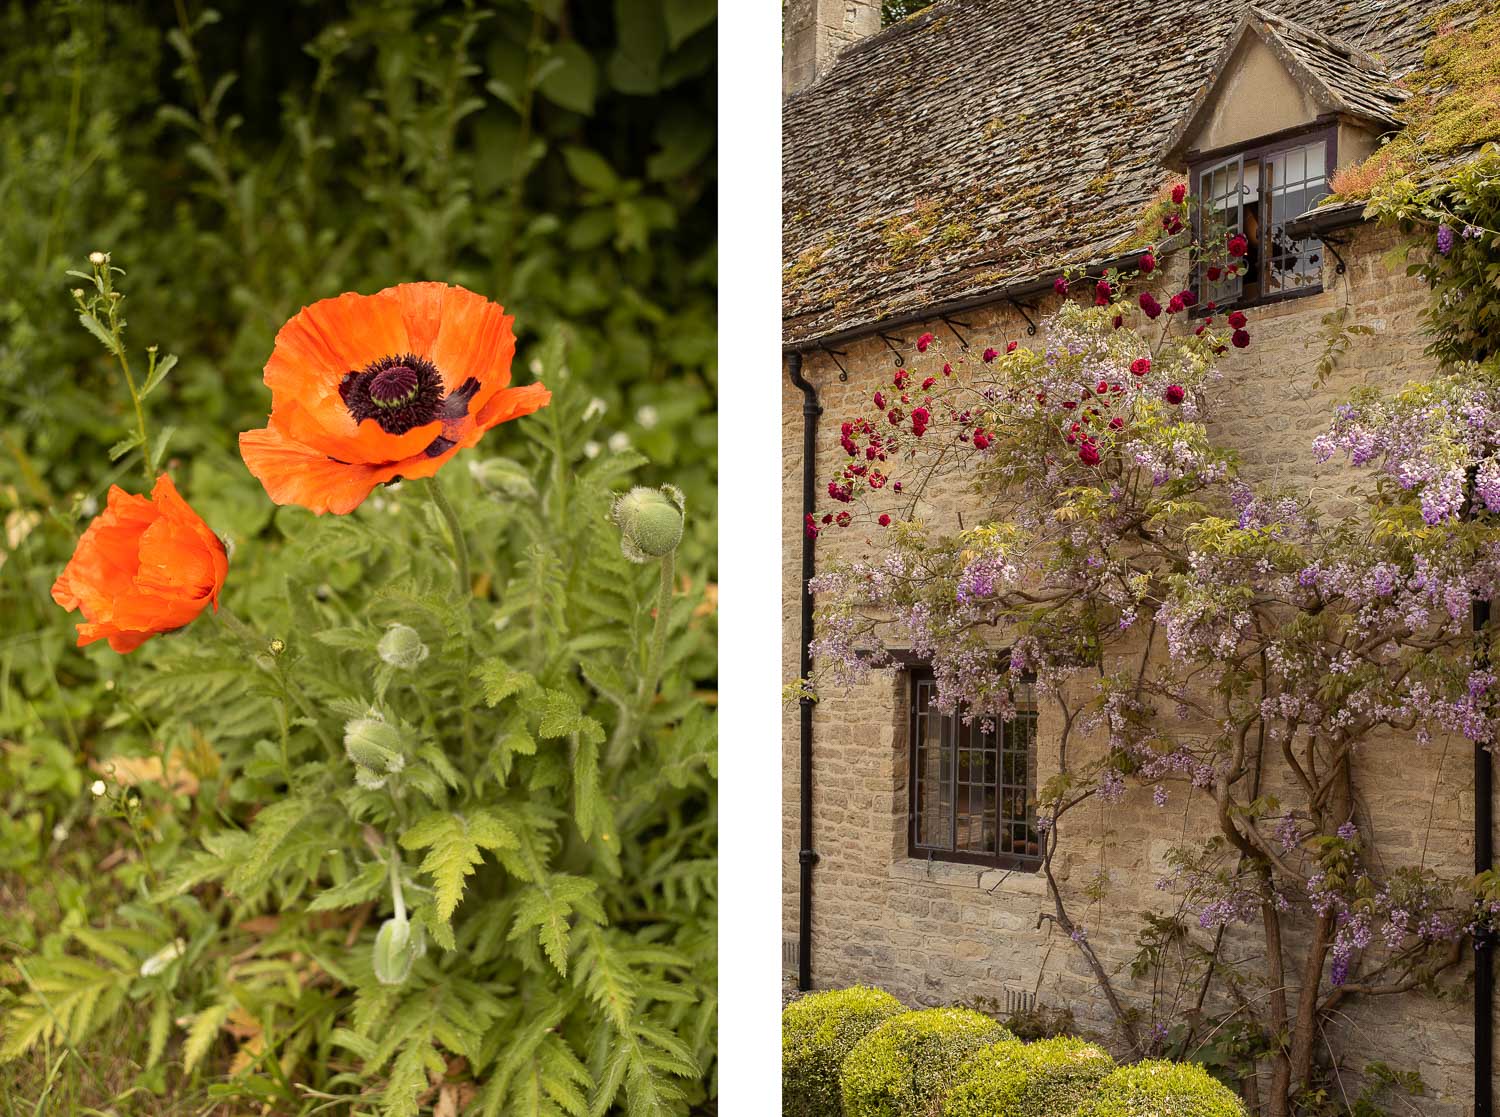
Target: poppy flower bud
650,522
401,646
397,946
503,477
375,744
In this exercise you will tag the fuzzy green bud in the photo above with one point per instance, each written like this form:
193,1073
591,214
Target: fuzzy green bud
374,744
402,646
397,946
650,522
503,477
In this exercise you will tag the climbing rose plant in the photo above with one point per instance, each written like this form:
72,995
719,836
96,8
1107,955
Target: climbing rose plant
1209,636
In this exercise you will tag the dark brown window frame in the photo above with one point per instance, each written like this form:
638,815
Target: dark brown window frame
915,676
1198,162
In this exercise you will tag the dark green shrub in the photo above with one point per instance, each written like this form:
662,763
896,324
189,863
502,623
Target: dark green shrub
1157,1088
817,1032
1014,1079
904,1066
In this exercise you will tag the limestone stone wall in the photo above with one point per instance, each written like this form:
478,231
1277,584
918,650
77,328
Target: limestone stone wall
935,933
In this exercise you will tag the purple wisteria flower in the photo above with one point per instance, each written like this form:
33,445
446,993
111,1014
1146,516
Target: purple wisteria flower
1444,239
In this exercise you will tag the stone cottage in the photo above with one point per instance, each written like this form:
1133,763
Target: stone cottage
936,175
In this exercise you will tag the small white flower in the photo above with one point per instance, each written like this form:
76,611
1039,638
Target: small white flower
98,259
646,416
97,787
59,833
596,408
591,449
163,957
619,442
535,366
90,506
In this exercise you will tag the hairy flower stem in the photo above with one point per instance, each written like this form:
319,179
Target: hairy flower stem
398,899
631,713
465,589
255,642
659,631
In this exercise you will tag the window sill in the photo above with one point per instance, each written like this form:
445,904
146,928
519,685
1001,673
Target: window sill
953,874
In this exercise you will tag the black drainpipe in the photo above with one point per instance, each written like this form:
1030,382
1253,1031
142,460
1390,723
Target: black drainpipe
1484,939
807,857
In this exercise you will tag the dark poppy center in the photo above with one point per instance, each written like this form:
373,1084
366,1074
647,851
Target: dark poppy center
395,387
404,391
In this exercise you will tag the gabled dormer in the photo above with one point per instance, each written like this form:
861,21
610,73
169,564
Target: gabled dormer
1283,107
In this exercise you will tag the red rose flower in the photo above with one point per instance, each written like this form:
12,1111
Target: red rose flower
901,378
1068,405
1173,394
1174,304
981,440
1116,423
1101,387
812,527
1237,320
1147,263
1238,245
1179,192
843,519
896,485
947,369
923,342
1119,321
1149,304
1010,346
1140,366
1240,338
1214,272
919,420
1060,285
929,382
885,521
880,400
1189,298
990,355
1088,453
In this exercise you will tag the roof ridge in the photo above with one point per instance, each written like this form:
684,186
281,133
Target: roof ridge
1341,46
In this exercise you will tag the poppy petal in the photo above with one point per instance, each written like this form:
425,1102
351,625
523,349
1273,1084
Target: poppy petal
320,344
474,341
368,444
297,474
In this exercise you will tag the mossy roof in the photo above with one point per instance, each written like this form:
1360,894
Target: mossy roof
978,146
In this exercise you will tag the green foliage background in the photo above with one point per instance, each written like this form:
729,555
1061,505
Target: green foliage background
557,157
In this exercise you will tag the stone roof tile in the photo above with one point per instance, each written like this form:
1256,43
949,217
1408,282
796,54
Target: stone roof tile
980,144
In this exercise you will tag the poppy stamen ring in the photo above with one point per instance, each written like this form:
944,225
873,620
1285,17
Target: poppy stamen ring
400,392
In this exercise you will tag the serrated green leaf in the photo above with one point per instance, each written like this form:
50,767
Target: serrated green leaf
158,374
548,905
453,842
97,328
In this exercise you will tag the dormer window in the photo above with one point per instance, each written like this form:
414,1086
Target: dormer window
1256,192
1283,105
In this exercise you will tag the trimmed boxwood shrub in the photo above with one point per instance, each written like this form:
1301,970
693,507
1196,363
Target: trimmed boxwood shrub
903,1067
1013,1079
1156,1088
817,1032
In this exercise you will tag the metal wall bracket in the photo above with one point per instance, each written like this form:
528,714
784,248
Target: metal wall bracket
889,344
836,354
953,328
1021,310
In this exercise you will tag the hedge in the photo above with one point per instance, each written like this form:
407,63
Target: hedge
817,1032
1156,1088
1014,1079
904,1066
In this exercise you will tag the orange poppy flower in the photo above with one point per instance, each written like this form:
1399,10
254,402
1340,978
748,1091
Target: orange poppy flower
369,388
145,565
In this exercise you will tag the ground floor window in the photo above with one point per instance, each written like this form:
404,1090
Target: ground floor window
973,784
